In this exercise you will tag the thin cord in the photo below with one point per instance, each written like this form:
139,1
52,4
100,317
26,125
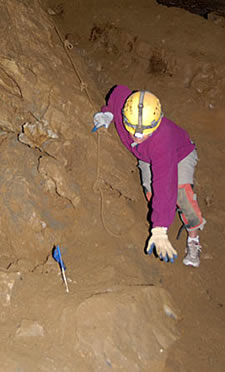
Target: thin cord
96,185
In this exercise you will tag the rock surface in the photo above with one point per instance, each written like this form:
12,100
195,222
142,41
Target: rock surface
62,184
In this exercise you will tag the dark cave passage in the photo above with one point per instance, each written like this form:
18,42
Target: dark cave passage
200,7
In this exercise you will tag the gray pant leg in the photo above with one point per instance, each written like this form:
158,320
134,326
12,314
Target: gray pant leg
189,210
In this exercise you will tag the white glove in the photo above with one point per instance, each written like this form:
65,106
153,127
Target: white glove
102,119
159,240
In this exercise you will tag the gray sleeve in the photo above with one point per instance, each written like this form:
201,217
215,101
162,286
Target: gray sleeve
146,175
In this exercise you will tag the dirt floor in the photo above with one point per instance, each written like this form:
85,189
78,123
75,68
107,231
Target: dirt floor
180,57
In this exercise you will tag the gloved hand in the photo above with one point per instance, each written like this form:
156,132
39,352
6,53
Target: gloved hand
160,241
102,119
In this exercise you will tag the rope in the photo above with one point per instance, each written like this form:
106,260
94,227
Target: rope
97,188
83,87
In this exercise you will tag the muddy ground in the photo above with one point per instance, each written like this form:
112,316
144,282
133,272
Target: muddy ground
62,184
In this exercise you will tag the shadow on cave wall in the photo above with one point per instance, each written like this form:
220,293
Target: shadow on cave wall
200,7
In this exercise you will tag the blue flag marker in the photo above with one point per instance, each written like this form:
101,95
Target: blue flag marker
56,254
58,257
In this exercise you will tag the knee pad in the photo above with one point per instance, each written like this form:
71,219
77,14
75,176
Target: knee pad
188,208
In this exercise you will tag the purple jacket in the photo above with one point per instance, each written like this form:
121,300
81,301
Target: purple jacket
168,145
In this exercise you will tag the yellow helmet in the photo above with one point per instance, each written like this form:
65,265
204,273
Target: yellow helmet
142,113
